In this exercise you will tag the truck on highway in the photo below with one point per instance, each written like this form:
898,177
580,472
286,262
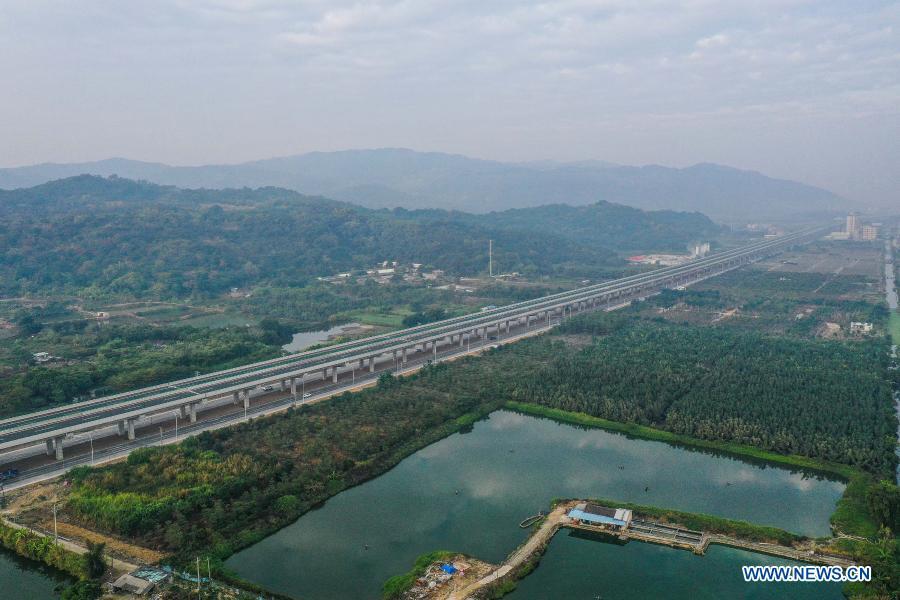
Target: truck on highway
9,474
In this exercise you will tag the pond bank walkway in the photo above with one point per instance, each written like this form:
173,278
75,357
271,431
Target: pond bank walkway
116,564
540,537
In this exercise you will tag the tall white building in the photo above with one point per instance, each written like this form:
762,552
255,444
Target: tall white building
853,226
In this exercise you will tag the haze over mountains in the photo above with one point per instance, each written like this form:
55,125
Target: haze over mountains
406,178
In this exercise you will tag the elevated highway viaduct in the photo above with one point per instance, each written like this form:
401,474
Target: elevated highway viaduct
290,374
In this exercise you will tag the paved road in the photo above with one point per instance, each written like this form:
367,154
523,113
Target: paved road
37,427
37,466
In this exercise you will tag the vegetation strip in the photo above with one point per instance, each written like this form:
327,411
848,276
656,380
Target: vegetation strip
395,586
34,546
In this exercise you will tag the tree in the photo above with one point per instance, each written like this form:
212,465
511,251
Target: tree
95,563
82,590
883,499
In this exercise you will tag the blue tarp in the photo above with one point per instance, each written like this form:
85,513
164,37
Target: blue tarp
448,569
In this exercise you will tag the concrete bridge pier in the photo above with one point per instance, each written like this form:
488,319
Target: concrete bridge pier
334,374
371,364
58,446
282,385
294,388
51,443
235,398
245,395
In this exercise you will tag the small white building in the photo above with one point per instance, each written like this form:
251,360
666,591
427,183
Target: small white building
42,357
594,514
859,327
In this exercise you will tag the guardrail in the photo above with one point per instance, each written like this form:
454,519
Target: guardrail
37,426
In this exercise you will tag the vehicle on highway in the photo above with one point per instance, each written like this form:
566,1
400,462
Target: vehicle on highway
268,388
9,474
307,395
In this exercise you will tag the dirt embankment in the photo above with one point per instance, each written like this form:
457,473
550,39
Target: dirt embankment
32,506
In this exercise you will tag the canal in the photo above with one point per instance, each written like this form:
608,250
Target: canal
469,491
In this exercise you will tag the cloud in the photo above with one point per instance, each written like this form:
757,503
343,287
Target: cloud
506,79
719,39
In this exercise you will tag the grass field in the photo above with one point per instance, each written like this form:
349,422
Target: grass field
219,320
894,326
393,319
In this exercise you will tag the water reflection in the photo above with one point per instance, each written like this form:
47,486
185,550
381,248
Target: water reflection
469,492
578,566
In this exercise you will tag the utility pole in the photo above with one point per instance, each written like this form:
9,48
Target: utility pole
491,258
208,573
198,576
176,426
55,530
91,437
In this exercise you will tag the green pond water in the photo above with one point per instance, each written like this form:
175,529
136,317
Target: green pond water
581,567
22,579
469,491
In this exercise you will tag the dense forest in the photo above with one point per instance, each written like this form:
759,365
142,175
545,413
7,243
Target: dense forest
611,225
826,400
114,238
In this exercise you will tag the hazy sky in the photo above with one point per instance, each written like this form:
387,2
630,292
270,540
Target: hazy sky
804,90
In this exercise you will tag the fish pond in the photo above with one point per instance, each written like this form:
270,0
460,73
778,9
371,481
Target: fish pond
469,491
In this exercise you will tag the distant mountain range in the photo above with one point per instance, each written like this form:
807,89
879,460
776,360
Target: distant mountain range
387,178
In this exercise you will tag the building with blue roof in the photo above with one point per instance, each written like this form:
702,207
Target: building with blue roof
594,514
